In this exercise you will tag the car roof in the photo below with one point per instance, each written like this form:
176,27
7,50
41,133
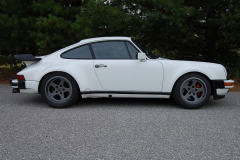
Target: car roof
104,39
90,40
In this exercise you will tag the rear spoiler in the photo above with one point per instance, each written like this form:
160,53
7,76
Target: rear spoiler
28,59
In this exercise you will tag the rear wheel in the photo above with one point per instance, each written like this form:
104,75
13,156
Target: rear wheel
59,90
192,91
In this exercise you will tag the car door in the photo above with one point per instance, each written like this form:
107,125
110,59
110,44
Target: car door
118,68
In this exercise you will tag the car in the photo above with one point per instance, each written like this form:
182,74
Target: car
116,67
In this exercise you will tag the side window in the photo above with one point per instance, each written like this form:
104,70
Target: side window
133,51
82,52
110,50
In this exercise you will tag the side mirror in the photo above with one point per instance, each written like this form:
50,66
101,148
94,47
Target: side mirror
141,56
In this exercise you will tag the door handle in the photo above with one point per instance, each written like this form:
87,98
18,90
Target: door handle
100,65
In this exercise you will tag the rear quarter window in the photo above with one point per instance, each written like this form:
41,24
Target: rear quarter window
82,52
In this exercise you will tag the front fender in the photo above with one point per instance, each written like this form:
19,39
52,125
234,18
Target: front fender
173,70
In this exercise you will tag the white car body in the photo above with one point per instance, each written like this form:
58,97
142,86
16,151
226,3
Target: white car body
149,78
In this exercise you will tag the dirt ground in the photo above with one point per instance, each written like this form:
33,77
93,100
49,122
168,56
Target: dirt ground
6,75
236,87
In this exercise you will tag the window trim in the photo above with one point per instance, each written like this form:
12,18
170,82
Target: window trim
128,50
91,50
136,46
133,47
93,56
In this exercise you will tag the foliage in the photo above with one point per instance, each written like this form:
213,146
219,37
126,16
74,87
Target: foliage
206,30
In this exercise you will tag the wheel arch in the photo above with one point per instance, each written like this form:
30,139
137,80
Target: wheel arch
191,73
40,82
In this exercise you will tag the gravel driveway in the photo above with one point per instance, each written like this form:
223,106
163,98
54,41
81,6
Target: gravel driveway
117,129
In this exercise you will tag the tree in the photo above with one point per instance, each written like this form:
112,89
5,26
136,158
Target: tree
206,30
14,37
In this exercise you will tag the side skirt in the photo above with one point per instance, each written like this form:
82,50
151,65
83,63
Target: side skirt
124,94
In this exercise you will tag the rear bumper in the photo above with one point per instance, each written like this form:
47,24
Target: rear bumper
221,87
24,86
20,84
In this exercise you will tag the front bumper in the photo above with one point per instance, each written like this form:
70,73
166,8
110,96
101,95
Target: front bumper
221,87
24,86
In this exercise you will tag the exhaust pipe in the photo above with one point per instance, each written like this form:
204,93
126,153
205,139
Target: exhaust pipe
15,90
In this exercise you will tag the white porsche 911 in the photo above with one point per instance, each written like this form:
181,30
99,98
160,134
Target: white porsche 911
117,67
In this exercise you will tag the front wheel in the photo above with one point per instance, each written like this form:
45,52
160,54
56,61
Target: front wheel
192,91
59,90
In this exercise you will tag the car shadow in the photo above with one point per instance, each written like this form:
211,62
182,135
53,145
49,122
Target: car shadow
36,100
32,100
125,102
141,102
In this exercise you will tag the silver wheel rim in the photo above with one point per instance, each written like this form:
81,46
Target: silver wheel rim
58,89
193,90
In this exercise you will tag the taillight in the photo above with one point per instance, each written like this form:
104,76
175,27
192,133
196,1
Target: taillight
20,77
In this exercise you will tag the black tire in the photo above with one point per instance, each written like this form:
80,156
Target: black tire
59,90
192,91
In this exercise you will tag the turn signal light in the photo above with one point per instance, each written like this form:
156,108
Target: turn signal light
20,77
229,84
